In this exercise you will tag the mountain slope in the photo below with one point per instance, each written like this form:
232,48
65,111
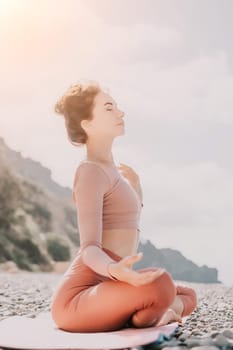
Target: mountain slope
176,264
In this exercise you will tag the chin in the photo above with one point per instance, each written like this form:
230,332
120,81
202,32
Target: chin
121,133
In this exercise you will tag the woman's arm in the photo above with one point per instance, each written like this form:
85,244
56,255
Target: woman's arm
97,260
90,185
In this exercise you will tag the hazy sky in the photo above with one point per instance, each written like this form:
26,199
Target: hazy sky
169,66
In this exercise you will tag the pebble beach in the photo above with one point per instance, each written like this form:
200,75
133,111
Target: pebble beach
209,327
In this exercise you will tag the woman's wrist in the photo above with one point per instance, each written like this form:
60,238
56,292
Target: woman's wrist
110,272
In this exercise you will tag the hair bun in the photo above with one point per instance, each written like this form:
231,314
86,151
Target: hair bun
64,102
59,107
75,105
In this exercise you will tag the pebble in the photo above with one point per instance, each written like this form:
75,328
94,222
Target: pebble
209,327
221,341
205,347
228,333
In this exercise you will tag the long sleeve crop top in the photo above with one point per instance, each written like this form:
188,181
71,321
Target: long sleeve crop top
104,199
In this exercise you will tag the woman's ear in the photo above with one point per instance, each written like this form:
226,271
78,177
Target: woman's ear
84,124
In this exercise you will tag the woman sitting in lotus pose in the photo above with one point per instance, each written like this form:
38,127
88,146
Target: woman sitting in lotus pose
100,291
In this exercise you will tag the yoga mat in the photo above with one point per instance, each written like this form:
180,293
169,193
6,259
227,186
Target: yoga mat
20,332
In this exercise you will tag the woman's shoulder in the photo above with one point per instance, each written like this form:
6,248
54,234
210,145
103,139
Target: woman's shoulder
94,167
87,162
90,165
92,170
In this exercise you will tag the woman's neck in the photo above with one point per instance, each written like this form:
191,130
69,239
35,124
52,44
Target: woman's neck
95,157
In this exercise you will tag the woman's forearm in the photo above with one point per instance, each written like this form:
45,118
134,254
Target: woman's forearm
97,260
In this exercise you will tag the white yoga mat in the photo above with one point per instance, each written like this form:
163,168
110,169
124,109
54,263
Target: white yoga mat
20,332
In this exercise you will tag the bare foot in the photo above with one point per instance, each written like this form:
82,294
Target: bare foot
169,316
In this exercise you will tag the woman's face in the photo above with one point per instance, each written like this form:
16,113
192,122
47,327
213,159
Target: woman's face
107,118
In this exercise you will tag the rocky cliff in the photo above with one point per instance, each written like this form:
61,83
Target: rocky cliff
37,218
176,264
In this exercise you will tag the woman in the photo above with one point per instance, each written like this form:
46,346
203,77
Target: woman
100,291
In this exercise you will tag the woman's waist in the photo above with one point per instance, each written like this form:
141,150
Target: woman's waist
122,242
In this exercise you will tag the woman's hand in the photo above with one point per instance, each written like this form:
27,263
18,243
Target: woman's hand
129,174
132,177
122,271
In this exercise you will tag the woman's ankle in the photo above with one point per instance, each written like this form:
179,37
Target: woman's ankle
177,305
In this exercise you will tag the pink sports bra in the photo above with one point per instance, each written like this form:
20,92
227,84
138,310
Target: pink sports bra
104,199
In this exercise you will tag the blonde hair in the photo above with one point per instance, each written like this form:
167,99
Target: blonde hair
75,105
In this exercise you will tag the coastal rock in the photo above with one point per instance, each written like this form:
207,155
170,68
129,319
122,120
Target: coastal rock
9,266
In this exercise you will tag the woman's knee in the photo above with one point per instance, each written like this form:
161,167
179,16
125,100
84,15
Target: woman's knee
192,304
166,289
189,298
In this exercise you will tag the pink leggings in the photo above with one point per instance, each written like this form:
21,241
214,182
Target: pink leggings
85,301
